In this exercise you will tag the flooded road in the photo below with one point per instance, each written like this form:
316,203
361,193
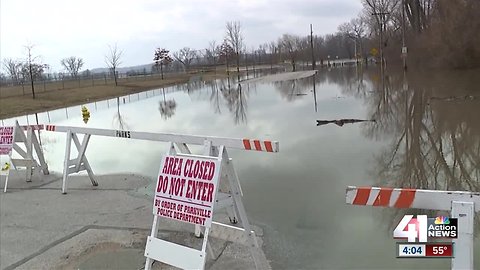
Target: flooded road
426,134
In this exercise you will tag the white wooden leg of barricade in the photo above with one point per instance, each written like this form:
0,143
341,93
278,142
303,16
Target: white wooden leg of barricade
231,211
39,151
29,147
225,188
82,160
224,200
6,182
465,213
66,161
27,160
257,253
7,175
80,163
153,234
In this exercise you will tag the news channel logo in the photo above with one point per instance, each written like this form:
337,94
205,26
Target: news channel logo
422,228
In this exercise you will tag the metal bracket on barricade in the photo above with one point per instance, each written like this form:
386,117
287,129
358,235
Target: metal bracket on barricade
25,144
228,196
462,205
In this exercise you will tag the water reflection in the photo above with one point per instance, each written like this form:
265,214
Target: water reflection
298,195
236,100
167,107
215,96
119,121
433,144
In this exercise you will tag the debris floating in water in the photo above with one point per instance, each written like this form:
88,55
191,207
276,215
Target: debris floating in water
454,98
341,122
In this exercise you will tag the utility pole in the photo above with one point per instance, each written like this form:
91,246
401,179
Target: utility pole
311,46
30,71
404,48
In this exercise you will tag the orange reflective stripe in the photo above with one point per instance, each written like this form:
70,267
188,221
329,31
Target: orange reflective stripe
258,146
405,199
362,195
246,144
268,146
383,197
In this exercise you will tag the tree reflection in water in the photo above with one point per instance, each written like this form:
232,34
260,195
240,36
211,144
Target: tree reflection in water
236,101
215,96
433,144
167,107
119,121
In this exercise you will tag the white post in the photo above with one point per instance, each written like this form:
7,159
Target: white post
8,172
149,261
66,162
463,248
255,250
82,158
28,145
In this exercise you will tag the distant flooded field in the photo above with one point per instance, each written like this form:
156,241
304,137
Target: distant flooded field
421,131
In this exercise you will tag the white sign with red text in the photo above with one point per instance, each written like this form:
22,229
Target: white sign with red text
6,140
186,189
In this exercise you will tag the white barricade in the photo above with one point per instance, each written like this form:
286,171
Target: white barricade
462,205
80,163
22,140
229,194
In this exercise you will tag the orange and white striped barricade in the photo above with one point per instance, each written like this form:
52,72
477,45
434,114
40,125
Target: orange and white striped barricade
23,140
229,190
462,205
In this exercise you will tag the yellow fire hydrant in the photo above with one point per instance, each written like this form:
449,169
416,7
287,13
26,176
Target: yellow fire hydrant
85,114
6,167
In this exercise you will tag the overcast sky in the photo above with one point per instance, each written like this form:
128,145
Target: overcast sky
62,28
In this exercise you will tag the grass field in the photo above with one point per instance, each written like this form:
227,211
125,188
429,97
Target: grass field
17,100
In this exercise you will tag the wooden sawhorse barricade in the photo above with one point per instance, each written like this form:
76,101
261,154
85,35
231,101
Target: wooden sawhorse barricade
229,195
22,140
462,205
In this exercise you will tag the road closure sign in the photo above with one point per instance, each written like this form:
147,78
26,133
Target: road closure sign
186,189
6,140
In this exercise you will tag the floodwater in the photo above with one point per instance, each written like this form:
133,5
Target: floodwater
426,134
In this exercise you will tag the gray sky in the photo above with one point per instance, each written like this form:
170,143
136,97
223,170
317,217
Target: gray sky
62,28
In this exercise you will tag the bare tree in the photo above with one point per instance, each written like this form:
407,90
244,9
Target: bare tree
235,40
73,65
112,59
273,51
185,57
417,13
382,11
355,30
225,54
32,70
211,53
291,45
162,58
13,69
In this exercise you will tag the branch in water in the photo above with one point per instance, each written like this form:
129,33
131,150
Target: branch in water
342,122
